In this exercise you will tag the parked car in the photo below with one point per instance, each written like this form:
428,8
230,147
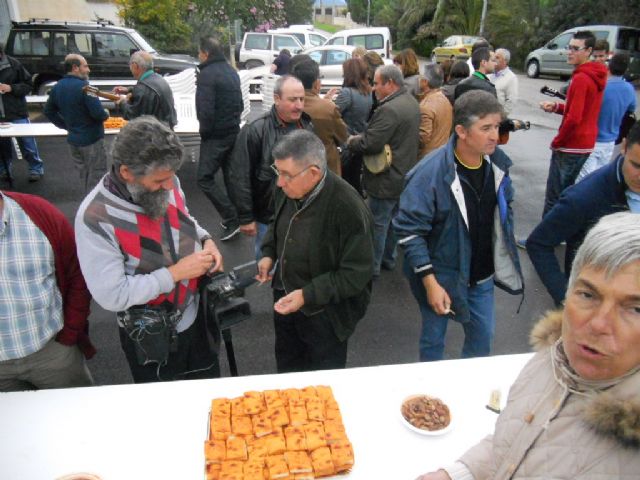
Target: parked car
455,47
259,49
42,45
308,37
330,59
377,39
551,59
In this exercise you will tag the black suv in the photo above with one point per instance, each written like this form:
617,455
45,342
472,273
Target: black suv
41,45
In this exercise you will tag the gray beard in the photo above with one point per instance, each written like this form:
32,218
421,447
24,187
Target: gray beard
154,204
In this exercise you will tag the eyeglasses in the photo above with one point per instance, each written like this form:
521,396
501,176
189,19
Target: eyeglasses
286,176
575,48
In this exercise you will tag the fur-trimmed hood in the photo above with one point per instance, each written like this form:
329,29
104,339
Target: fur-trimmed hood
615,412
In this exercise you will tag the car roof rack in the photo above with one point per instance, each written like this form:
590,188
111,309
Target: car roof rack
46,21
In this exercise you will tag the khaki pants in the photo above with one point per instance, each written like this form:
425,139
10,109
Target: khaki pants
53,366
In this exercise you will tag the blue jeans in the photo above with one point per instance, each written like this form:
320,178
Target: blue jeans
262,231
563,171
29,150
384,238
478,331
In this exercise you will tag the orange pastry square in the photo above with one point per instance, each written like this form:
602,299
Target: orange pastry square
220,427
236,448
215,451
253,403
315,409
278,416
297,412
325,393
334,431
322,463
277,467
273,399
342,456
275,443
213,471
254,469
220,407
314,435
231,470
308,393
295,438
257,448
332,414
290,394
298,462
261,424
237,406
241,425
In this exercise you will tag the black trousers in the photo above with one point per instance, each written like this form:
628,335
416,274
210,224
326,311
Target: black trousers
194,358
306,343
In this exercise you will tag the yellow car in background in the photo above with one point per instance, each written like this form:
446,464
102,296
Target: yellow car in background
455,47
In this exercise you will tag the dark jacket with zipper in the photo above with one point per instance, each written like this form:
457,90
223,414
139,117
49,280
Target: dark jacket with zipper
334,249
218,99
579,208
252,179
152,95
14,103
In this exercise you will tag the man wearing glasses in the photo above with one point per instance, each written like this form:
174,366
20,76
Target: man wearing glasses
318,253
577,134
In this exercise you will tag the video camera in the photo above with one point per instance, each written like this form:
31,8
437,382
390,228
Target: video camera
552,92
225,306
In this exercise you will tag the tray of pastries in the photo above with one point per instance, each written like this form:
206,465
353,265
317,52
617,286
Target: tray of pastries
292,434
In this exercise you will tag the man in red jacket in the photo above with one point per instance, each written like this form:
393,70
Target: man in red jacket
579,128
44,301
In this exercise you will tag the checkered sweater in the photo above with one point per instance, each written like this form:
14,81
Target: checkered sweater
124,254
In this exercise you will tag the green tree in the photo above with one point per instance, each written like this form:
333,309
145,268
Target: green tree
298,11
163,22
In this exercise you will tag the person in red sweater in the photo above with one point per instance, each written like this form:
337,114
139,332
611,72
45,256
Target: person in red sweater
44,300
579,128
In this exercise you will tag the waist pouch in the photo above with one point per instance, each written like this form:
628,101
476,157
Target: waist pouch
153,333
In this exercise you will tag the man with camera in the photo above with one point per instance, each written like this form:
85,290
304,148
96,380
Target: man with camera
321,243
143,255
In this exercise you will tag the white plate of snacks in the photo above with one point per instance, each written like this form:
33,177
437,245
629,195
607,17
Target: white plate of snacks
426,415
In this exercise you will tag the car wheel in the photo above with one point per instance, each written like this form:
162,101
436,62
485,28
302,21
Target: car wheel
533,69
253,64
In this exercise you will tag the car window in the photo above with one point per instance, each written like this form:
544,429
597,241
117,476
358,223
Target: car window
316,40
337,57
31,43
65,43
114,45
370,42
561,41
628,39
450,41
316,56
284,41
336,41
259,42
299,36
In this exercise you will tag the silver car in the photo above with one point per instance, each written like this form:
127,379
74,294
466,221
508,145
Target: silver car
330,59
552,58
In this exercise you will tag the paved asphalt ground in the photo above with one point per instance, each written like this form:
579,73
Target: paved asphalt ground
389,332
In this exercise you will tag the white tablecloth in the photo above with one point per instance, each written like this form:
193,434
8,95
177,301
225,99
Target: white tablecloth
156,431
50,130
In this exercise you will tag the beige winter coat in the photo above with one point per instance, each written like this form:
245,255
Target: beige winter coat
546,432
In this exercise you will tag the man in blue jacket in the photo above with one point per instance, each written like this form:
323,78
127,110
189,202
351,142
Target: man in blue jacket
455,225
69,107
612,188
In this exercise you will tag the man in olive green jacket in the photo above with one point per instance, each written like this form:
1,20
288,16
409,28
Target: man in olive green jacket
321,243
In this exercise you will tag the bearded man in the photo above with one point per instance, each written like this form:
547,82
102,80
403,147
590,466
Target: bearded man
143,255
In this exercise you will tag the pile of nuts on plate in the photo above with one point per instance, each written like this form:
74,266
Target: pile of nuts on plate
426,413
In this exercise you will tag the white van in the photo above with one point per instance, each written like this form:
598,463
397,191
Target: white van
377,39
308,37
258,49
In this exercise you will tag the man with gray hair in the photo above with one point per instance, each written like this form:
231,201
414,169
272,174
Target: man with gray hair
322,232
142,255
152,94
82,115
252,179
436,112
505,81
455,225
396,123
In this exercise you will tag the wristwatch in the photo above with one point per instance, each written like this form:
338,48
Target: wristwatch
205,238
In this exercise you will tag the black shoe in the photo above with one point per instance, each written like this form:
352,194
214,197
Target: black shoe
521,243
35,177
230,233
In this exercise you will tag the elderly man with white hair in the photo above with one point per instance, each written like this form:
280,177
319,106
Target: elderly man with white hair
505,81
574,411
